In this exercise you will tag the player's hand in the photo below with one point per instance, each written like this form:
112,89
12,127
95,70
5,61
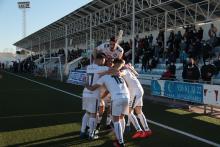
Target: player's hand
87,85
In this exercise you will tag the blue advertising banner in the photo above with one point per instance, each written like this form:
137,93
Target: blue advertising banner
184,91
77,77
156,87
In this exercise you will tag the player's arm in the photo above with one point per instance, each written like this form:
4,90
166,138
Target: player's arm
93,87
131,68
107,72
121,55
98,84
111,71
105,94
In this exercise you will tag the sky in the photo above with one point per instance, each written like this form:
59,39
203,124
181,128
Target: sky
41,14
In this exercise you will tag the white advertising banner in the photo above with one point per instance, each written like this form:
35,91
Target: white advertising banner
211,94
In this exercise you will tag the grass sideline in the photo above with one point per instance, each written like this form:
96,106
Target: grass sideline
51,118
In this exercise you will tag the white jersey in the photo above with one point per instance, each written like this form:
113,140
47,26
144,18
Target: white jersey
132,81
105,48
93,71
116,86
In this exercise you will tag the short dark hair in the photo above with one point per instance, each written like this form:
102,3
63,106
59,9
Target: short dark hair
100,56
119,61
113,39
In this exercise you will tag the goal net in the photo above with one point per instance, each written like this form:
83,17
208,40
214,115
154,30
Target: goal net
52,68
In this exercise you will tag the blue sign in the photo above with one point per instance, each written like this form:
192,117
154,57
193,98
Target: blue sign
184,91
77,77
155,88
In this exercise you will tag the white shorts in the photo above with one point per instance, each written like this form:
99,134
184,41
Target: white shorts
119,107
90,104
136,99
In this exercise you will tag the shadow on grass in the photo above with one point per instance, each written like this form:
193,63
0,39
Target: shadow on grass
68,139
14,124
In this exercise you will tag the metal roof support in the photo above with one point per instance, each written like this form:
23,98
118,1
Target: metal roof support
50,45
39,46
90,39
87,41
133,32
115,30
165,34
31,49
66,45
208,13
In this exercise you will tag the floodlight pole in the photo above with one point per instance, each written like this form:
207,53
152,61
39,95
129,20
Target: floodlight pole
24,23
23,6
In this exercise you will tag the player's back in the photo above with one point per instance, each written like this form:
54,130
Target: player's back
93,71
131,80
116,86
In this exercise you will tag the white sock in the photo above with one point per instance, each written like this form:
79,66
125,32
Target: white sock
85,120
118,132
92,126
134,121
128,122
143,121
122,121
99,119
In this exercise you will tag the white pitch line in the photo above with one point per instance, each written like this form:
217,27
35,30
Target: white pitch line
37,115
184,133
150,121
51,87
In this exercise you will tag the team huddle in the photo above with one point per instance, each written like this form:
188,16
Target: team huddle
112,86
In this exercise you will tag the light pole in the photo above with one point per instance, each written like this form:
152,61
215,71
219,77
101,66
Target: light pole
23,6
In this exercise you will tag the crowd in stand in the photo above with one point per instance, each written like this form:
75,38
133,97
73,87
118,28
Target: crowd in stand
189,48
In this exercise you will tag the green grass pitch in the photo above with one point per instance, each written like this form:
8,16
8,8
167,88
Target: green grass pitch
35,115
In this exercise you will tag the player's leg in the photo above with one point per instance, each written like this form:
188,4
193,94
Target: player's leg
85,119
122,121
133,119
93,107
101,111
108,111
142,118
118,108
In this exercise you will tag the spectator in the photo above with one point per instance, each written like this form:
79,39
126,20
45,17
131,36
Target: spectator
191,72
167,75
207,71
177,40
3,66
172,68
183,57
206,51
212,34
200,34
217,63
152,63
144,63
150,39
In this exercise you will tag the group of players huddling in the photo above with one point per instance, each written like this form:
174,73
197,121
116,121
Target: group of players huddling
114,85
